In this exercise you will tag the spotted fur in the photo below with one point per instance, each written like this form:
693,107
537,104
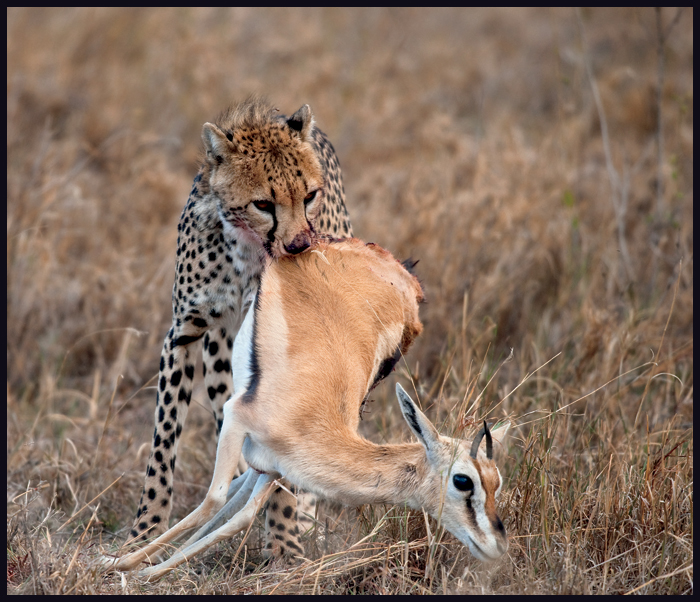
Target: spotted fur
286,521
268,187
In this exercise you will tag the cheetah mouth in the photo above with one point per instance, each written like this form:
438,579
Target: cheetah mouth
267,245
274,254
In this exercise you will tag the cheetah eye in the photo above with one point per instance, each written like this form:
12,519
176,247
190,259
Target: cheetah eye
463,482
310,197
265,206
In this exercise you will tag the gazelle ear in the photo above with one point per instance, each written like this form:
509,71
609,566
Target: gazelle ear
302,122
422,427
216,144
499,434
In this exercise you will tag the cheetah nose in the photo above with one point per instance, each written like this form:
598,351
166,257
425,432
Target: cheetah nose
300,243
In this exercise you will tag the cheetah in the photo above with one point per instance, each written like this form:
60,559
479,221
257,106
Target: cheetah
268,186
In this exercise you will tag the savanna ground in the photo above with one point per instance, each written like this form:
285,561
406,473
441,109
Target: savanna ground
539,163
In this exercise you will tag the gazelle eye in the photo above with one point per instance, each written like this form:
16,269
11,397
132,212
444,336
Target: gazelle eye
463,482
310,197
265,206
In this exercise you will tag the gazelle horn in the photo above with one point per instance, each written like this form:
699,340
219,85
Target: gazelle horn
477,442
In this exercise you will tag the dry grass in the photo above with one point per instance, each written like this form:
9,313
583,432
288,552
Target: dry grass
469,139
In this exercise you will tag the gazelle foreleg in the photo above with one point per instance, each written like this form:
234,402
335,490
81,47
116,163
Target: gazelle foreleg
240,521
232,507
227,454
238,482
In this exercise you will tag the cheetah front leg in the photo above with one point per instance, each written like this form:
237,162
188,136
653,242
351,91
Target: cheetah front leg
282,524
174,391
216,367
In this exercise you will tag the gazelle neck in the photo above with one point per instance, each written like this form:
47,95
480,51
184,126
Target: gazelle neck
354,471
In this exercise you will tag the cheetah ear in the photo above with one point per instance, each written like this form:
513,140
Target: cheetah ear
302,122
216,144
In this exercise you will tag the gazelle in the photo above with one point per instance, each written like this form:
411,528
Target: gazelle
326,325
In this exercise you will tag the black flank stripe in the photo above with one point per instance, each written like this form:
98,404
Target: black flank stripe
386,367
249,395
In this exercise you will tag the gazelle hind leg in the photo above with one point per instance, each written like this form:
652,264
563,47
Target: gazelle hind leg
240,521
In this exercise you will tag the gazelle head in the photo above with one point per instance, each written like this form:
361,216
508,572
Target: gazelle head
462,482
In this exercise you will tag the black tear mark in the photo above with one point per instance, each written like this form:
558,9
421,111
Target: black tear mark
271,233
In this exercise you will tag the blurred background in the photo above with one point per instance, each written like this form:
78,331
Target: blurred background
538,163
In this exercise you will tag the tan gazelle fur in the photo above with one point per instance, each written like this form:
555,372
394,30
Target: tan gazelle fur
325,326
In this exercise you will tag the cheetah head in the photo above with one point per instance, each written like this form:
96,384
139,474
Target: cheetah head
265,177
